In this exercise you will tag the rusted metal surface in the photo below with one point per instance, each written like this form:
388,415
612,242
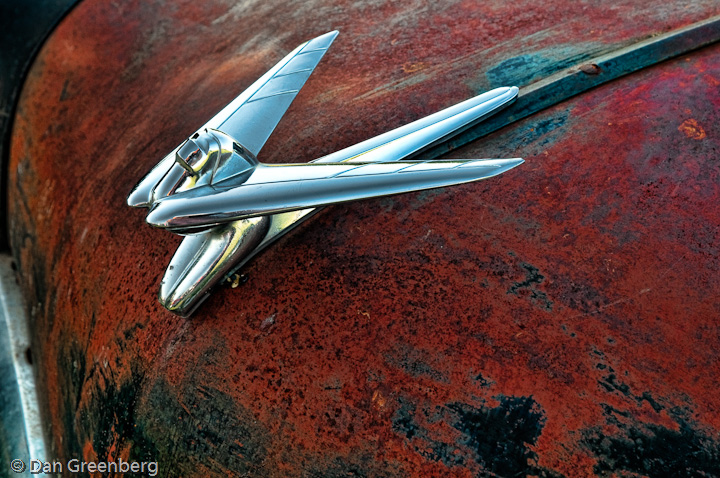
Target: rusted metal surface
562,320
23,28
615,226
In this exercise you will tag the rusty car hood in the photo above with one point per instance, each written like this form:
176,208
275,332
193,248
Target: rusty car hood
562,322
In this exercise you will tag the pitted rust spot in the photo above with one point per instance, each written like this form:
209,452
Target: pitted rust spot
590,69
415,362
692,129
356,465
413,67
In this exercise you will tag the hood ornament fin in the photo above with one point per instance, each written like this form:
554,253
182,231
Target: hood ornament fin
231,206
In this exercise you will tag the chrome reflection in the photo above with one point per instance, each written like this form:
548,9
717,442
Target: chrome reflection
213,189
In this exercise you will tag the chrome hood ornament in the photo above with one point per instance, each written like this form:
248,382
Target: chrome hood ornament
230,206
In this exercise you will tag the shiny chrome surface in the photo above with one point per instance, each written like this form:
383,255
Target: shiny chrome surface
250,118
204,259
20,421
273,189
213,189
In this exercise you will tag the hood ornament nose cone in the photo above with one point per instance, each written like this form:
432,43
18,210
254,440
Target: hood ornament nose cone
230,206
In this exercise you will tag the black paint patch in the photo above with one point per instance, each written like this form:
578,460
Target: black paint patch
494,441
404,419
484,382
612,384
200,432
99,409
193,431
500,436
532,279
110,415
422,440
652,450
71,375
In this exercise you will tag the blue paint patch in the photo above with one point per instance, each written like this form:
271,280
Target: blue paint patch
523,69
530,140
528,68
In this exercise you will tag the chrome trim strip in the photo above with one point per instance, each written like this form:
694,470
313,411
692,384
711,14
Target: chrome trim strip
27,424
594,72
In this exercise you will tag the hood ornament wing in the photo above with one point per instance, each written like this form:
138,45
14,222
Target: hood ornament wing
230,206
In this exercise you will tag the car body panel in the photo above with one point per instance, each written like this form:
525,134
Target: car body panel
557,321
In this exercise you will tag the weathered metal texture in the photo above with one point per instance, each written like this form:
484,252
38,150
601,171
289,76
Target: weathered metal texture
558,321
23,28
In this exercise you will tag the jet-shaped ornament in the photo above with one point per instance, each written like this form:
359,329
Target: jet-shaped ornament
230,206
